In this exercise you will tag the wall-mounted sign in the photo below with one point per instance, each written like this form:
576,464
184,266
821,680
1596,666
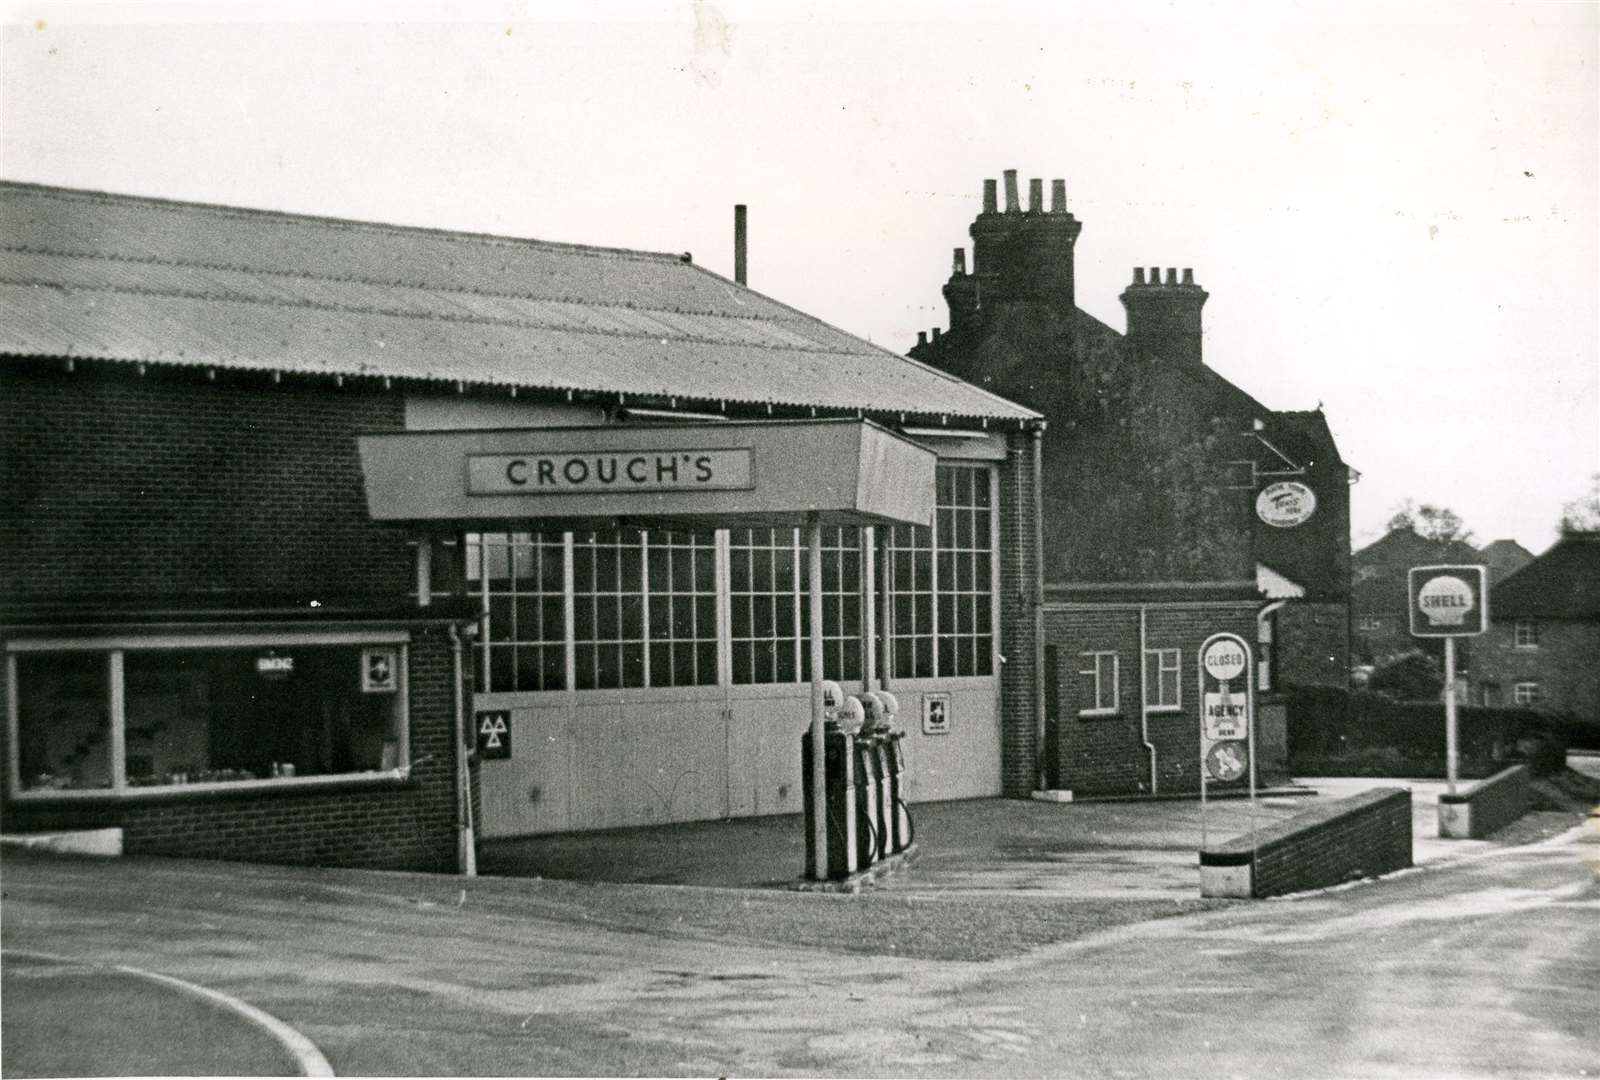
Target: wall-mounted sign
1286,504
936,714
609,472
273,666
380,671
494,734
1448,601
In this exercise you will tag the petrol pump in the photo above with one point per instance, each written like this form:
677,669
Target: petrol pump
871,781
839,785
898,831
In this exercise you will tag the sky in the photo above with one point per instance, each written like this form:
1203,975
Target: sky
1392,205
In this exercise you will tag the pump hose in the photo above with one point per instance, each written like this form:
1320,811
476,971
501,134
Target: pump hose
865,828
911,823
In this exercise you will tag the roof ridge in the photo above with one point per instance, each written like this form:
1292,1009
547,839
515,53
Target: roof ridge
290,217
306,275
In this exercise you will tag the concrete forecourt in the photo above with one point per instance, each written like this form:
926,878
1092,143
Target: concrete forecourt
1031,940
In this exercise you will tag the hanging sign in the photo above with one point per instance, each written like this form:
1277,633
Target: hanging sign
494,734
1448,601
1227,707
1286,504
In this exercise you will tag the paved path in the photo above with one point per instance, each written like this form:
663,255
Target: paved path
1479,966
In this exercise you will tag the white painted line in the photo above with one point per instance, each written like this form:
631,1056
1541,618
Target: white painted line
303,1050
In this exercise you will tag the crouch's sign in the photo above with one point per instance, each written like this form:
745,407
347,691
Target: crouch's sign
574,472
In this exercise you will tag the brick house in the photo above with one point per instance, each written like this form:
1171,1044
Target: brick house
1165,488
1544,633
277,550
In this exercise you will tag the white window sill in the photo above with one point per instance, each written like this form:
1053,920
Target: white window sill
161,791
1156,710
1097,714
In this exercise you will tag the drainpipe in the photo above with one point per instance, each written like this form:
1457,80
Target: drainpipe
1040,766
466,848
1144,699
1261,621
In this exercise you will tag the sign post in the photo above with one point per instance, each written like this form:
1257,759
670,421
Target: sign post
1448,602
1227,728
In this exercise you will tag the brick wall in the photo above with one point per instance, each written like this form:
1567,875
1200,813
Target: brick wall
1313,644
1019,596
1491,804
1105,754
1563,665
1362,836
114,484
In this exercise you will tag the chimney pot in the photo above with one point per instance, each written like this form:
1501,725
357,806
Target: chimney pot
1036,196
958,262
1058,196
1172,275
922,338
1138,275
1188,275
740,267
990,203
1012,205
936,333
1155,275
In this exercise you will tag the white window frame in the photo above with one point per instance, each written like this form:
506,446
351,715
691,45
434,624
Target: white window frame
114,648
1525,634
1159,659
1526,692
1096,658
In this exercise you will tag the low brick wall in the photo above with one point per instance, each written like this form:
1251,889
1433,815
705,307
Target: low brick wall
1486,806
1362,836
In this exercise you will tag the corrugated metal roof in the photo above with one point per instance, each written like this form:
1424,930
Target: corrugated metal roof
91,275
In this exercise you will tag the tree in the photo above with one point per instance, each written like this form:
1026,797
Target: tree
1583,513
1430,522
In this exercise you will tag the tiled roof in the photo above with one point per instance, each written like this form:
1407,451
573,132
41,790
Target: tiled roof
1563,583
112,277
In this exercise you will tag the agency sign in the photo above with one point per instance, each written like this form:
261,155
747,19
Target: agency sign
1448,601
609,472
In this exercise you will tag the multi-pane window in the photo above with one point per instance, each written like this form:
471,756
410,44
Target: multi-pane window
681,596
1526,693
943,581
1526,633
841,607
1098,676
608,610
193,713
519,577
1163,688
765,599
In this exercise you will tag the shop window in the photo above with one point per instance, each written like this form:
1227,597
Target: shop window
63,721
608,609
1526,634
841,607
1099,676
1526,693
1163,668
943,584
520,579
681,596
765,600
146,717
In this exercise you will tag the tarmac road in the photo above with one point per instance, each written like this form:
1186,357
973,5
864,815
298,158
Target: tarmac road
1477,966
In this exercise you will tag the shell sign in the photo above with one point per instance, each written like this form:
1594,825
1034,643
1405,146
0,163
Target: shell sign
1286,504
1448,601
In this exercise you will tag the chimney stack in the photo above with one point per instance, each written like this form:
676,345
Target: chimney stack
1016,255
1164,317
739,242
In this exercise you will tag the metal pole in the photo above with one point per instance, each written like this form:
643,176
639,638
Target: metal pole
819,791
1250,737
1450,711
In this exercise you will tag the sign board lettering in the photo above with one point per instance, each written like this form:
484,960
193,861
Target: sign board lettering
1227,707
1225,716
380,671
609,472
1286,504
1448,601
273,666
1225,658
936,714
494,734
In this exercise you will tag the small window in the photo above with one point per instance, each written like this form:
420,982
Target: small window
1099,680
1526,693
1526,633
1162,668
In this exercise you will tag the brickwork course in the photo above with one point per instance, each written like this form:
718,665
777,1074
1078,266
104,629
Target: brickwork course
1495,802
1363,836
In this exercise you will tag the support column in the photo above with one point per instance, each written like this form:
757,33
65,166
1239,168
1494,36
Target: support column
819,791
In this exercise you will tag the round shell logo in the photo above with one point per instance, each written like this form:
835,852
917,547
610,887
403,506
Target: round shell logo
1445,600
1286,504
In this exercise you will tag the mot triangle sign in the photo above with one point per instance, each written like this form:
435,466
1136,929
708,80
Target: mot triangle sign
494,734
